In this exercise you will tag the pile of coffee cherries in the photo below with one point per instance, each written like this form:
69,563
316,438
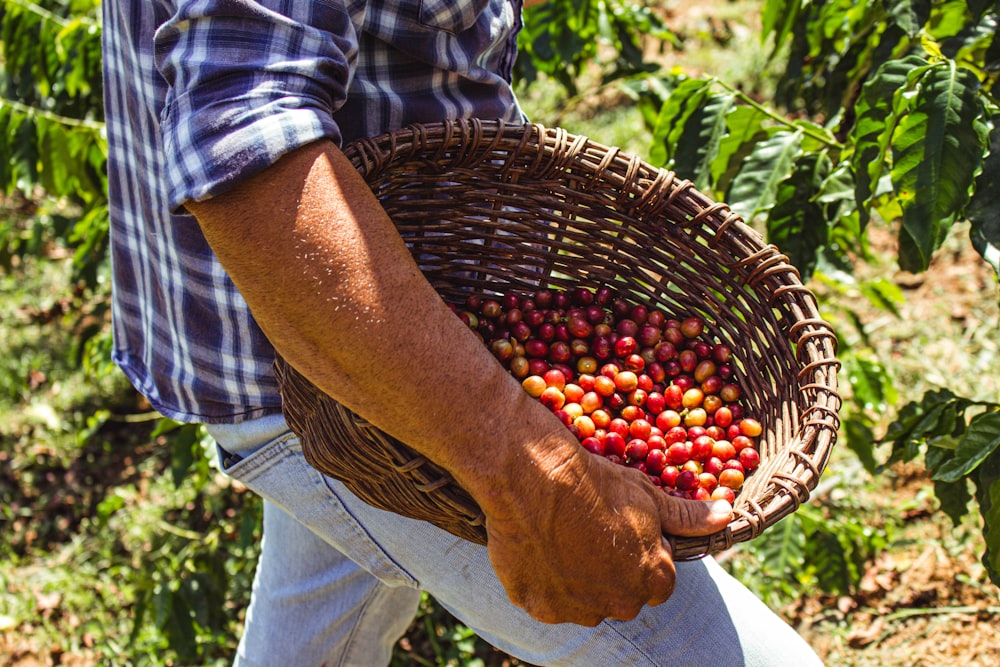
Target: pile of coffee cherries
634,385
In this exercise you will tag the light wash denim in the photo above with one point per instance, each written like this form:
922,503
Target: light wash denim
339,583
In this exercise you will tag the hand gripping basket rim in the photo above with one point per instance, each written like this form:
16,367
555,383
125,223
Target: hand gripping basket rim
492,206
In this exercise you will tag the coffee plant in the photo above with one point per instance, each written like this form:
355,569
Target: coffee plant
885,113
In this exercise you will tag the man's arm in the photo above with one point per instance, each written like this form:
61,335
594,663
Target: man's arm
572,537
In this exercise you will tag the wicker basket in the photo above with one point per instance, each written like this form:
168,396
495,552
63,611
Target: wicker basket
493,207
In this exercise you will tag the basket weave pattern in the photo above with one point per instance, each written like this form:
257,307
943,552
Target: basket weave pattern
489,207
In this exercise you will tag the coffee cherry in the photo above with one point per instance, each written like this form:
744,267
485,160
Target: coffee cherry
749,459
708,481
636,449
696,417
655,403
649,335
688,361
714,465
534,385
656,441
586,365
637,397
679,453
723,449
585,426
635,363
730,393
604,386
692,327
538,366
724,493
626,381
704,370
731,478
673,396
593,445
601,418
667,419
693,398
631,413
574,392
701,448
750,428
555,378
656,461
675,434
573,410
619,426
640,428
723,416
552,398
686,480
502,350
614,444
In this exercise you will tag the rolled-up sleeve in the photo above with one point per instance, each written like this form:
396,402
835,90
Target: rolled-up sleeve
248,82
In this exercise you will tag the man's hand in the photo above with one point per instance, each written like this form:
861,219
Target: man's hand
586,544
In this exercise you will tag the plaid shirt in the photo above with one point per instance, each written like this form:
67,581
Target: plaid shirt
202,94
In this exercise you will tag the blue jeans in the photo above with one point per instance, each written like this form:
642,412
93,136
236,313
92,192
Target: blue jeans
338,582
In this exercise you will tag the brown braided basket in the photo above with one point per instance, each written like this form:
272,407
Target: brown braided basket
490,207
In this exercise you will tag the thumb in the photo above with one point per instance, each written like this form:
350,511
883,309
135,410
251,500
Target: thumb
691,518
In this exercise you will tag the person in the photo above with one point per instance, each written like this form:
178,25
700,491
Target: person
239,228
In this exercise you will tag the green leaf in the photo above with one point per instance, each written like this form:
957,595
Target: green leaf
937,150
698,143
186,450
857,37
871,385
979,7
988,497
164,426
838,188
954,498
783,550
984,208
777,19
684,101
797,223
179,628
991,58
910,15
877,117
829,558
859,437
754,187
883,293
981,439
744,129
948,19
919,421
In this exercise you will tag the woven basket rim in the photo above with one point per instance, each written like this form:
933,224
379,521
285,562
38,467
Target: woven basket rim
532,155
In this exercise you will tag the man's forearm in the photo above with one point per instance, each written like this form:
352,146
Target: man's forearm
334,288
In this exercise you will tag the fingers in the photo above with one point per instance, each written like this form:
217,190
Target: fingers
666,587
691,518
